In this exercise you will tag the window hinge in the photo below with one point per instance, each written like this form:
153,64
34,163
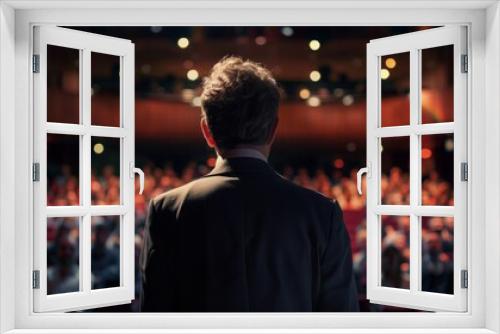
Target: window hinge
36,172
36,279
465,64
464,171
36,63
464,279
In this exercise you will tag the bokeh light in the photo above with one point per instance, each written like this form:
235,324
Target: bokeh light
426,153
98,148
287,31
314,45
304,93
384,74
183,42
192,74
313,101
390,63
260,40
315,76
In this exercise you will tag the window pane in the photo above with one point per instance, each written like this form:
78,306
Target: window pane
395,252
395,89
395,157
437,84
63,250
63,84
437,254
105,89
105,260
63,154
437,169
105,171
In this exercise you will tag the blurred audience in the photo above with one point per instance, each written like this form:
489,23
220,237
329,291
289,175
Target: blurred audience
437,232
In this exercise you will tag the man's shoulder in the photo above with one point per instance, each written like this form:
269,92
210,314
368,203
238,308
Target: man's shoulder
194,189
170,196
214,185
310,195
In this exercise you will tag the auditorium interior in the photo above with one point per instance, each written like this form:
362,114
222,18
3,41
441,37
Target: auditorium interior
321,140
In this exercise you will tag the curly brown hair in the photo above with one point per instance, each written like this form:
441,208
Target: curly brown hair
240,102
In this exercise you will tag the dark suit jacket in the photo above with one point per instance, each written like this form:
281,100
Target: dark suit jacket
244,239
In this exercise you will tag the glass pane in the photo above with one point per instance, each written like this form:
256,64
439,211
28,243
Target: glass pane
105,89
63,154
437,84
105,260
63,84
395,252
63,250
395,89
395,180
437,254
437,169
105,171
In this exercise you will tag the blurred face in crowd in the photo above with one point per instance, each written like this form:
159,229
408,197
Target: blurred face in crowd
65,252
434,242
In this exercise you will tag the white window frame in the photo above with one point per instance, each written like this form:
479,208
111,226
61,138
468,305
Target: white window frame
86,44
17,19
413,43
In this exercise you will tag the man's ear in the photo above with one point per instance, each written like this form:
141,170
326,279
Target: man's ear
209,138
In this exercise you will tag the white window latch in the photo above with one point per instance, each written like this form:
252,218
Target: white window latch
359,175
134,170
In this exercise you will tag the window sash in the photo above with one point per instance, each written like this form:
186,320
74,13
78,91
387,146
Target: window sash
86,297
414,297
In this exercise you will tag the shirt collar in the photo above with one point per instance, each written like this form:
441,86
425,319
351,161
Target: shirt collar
241,153
241,165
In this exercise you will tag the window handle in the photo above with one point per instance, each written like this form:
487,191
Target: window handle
138,171
141,179
359,175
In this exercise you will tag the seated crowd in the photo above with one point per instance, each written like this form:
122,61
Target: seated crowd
437,232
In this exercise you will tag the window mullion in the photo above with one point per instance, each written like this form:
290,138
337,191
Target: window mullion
415,178
86,241
127,178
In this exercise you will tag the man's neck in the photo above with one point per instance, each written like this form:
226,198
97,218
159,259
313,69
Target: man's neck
244,152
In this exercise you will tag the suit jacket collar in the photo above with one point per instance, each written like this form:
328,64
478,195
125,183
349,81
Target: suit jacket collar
241,165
